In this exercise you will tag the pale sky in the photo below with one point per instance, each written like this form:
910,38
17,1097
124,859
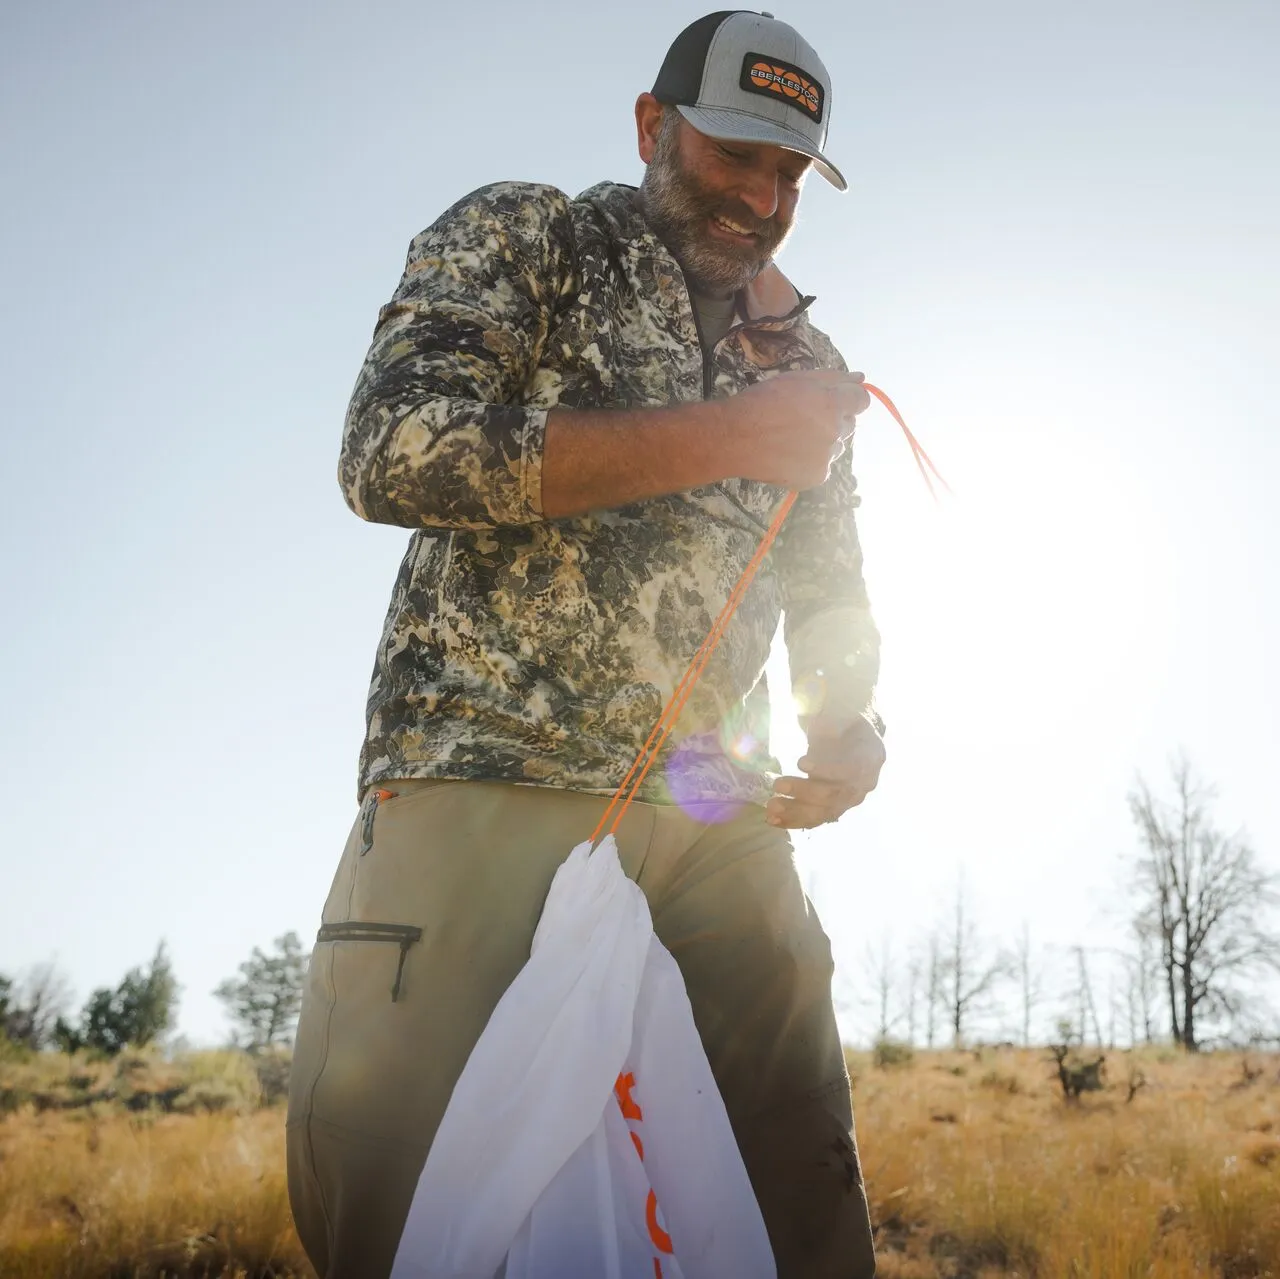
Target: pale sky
1060,255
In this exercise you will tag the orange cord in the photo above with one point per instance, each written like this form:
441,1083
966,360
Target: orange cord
675,704
650,751
922,458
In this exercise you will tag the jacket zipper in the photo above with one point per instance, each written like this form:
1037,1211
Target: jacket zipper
708,366
708,356
702,337
708,371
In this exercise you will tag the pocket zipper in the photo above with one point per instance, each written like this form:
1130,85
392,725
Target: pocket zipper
353,930
372,800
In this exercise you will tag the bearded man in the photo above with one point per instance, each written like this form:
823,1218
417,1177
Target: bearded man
588,410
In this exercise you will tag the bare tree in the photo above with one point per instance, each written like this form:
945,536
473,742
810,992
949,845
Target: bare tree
1205,897
912,996
1112,1010
970,973
878,964
32,1005
935,999
1087,1009
1030,981
1142,974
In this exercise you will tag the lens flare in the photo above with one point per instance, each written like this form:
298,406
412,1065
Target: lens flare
809,693
744,737
695,771
701,767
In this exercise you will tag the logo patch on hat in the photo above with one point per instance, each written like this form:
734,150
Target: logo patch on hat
773,79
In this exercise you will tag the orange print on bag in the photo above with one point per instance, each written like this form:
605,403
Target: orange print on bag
631,1111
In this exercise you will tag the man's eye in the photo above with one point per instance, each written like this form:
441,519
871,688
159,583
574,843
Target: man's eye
733,155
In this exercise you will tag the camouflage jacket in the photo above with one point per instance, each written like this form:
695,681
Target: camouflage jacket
542,651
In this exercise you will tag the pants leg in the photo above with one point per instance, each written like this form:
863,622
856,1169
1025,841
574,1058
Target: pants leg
469,864
757,967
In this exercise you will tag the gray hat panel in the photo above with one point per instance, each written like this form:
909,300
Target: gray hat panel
746,33
761,81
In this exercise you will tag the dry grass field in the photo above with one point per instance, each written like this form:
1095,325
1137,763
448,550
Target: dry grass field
976,1168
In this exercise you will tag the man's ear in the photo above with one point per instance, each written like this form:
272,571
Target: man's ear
648,125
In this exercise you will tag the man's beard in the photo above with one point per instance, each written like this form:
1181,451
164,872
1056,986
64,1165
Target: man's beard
678,207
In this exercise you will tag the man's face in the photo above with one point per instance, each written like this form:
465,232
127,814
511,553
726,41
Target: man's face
723,208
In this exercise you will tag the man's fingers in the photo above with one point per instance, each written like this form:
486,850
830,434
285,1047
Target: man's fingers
851,400
856,397
793,817
811,789
800,803
819,791
793,814
841,766
840,770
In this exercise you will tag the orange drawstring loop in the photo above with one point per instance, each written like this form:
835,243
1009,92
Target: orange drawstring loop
922,458
675,704
652,748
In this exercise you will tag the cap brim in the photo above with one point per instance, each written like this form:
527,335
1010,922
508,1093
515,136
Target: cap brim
730,125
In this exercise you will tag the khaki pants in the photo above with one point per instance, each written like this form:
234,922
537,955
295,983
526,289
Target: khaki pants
430,918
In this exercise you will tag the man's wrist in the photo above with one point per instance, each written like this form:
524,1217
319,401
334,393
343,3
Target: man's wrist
602,458
716,440
833,719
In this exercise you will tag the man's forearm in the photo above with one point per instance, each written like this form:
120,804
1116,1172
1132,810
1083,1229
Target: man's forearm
596,459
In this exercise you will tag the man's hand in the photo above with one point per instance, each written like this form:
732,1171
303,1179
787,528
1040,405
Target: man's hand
842,764
786,430
789,429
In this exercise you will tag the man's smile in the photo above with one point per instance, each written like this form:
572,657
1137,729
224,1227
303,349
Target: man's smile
731,230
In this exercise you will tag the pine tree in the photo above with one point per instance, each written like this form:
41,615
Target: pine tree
264,1001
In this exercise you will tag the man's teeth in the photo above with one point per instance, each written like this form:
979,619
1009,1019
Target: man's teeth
733,226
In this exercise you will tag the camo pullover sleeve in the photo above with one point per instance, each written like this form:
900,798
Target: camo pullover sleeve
833,646
435,435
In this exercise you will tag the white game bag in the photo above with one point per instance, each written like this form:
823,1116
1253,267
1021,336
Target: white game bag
586,1138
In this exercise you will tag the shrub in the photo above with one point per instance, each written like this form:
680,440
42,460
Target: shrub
14,1099
10,1051
272,1066
999,1082
223,1080
888,1053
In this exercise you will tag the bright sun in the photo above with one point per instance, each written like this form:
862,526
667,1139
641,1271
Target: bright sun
1016,617
1005,606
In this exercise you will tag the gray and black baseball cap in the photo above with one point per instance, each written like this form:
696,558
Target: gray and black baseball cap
742,76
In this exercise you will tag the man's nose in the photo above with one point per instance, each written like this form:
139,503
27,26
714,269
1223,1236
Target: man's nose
760,194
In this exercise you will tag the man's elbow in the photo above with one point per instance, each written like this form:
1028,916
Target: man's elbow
368,494
374,504
369,483
425,502
445,473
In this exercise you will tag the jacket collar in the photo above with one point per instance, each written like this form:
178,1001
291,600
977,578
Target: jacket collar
770,300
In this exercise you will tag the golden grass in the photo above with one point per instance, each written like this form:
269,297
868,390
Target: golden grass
990,1173
976,1169
129,1197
